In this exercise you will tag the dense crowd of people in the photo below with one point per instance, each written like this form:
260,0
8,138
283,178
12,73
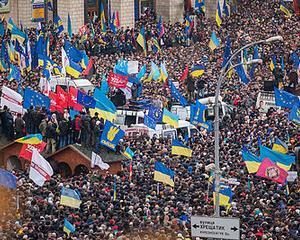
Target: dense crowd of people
142,208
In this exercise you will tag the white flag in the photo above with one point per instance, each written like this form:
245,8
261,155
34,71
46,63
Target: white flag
64,61
40,169
12,100
97,161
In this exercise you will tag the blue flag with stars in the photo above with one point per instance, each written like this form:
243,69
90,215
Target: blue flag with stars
149,122
285,99
177,95
156,114
295,114
85,100
33,98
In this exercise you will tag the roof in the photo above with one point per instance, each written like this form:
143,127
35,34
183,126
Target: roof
106,155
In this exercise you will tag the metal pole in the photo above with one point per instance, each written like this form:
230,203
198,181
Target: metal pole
217,128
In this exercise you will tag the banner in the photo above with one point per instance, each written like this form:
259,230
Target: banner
111,135
133,67
4,6
38,12
117,80
26,151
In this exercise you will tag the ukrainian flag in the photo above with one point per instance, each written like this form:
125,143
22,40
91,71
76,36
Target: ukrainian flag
128,153
142,40
74,69
179,148
102,18
225,196
214,42
284,161
3,66
273,63
170,118
17,34
10,24
155,47
163,174
219,15
70,198
104,107
280,146
284,9
68,227
252,162
163,72
30,139
197,71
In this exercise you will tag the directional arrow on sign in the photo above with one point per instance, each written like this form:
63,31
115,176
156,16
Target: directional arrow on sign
196,226
234,228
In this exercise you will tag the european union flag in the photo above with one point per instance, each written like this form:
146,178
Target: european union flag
7,179
59,24
14,73
149,122
33,98
156,114
121,67
295,114
73,53
296,60
285,99
177,95
227,52
85,100
111,135
255,56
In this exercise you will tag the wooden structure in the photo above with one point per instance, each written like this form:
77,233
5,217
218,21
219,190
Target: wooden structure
68,161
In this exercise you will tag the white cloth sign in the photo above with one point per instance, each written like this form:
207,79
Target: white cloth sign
40,169
133,67
12,100
97,161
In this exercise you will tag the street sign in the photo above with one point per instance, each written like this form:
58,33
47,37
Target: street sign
212,227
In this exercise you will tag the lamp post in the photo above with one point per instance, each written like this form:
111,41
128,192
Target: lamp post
217,117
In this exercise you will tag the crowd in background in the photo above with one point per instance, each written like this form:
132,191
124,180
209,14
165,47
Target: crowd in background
141,211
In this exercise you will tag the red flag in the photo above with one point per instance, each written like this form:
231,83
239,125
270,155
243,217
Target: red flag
26,151
185,73
89,67
271,171
63,97
130,171
297,7
117,80
117,19
54,102
73,99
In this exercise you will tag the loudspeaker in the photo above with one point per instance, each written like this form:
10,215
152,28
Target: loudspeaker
269,86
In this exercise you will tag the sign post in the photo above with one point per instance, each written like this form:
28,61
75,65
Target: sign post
215,227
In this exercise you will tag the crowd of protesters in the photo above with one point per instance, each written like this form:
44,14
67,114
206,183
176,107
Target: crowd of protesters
144,209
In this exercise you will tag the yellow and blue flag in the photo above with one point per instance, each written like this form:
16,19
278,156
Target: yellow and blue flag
225,195
163,72
33,98
128,153
197,71
142,40
219,14
102,18
252,161
104,106
68,227
197,113
142,72
295,114
155,72
200,5
284,9
59,24
273,62
3,66
170,118
17,34
10,24
70,198
280,146
111,135
179,148
14,73
284,161
163,174
155,46
115,188
72,52
214,42
74,69
188,25
285,99
30,139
